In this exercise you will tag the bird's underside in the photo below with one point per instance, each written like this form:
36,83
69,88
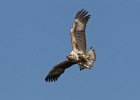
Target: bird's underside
78,55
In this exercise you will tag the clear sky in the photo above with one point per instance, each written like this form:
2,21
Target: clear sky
34,36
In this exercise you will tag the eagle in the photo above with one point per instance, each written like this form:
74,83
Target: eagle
78,54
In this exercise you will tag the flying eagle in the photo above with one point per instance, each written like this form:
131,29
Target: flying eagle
78,54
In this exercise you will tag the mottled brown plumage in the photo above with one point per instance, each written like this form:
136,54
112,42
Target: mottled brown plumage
78,55
78,36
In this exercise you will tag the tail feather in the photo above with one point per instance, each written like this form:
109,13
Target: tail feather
91,58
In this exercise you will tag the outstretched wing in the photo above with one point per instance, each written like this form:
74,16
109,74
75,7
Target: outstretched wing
57,70
78,36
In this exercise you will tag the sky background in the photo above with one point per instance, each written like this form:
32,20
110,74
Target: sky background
34,36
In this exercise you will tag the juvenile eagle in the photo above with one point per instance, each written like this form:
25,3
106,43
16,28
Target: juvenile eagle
78,54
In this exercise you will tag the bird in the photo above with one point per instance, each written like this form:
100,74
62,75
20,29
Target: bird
78,55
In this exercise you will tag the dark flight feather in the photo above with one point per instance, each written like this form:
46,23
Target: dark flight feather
57,70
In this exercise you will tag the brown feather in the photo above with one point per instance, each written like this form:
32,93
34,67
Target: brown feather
57,70
78,36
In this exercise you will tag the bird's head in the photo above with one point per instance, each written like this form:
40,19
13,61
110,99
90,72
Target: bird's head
71,58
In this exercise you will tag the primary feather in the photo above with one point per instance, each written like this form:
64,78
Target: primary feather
78,55
78,36
57,70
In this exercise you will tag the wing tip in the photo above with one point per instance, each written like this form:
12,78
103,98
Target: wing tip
47,79
51,79
83,15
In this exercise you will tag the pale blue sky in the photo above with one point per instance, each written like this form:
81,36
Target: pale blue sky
34,36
